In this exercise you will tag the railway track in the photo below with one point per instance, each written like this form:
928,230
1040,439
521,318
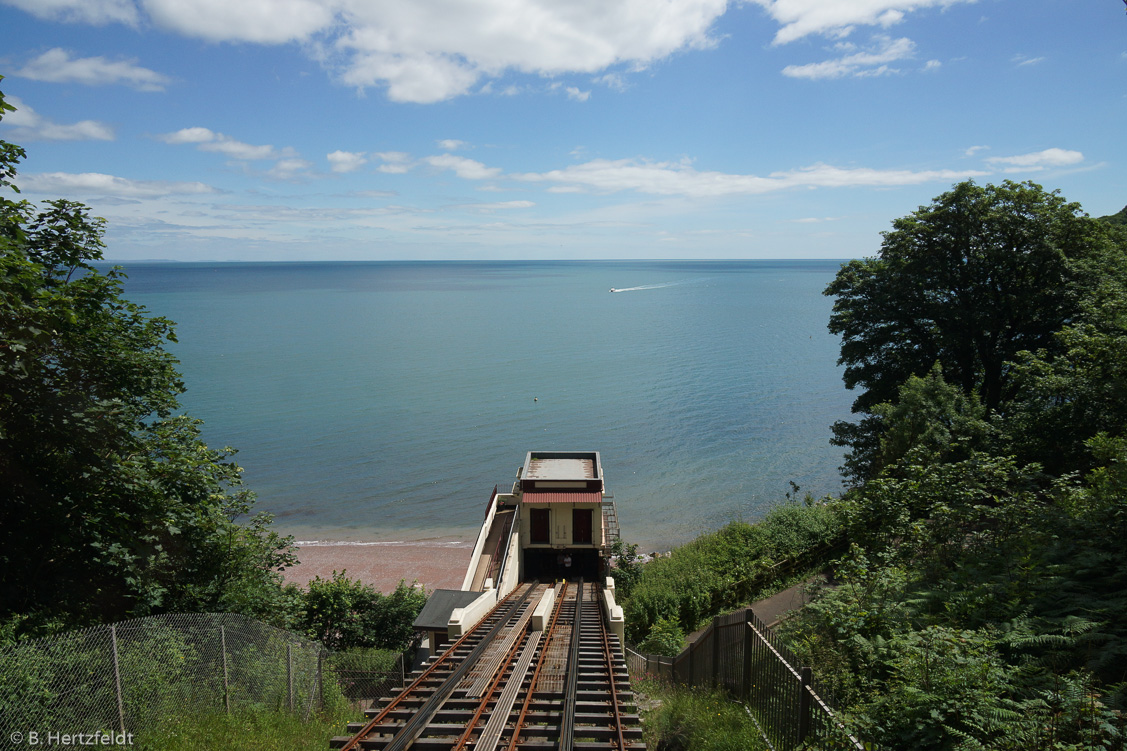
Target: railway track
507,685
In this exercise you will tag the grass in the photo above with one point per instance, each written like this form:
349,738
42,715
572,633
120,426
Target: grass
246,730
684,719
737,564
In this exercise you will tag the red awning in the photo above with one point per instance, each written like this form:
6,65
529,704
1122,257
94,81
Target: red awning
543,496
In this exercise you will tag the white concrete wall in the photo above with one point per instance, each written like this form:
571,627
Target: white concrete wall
615,619
510,577
463,619
542,615
479,546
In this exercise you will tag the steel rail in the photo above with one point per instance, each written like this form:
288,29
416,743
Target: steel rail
536,673
394,703
567,722
487,695
414,727
609,659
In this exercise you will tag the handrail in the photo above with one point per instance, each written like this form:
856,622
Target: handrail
809,716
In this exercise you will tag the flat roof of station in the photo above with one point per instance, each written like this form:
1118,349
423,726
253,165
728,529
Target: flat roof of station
562,465
561,469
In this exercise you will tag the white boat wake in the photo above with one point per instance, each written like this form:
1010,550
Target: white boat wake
663,285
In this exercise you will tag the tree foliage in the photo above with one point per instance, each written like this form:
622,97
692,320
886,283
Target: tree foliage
113,506
344,613
969,281
983,602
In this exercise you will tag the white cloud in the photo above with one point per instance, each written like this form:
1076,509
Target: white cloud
871,62
208,140
57,66
1025,60
29,125
974,150
451,144
613,81
837,18
467,169
346,161
94,183
488,208
239,150
189,135
426,51
577,95
394,162
429,50
933,65
289,169
96,12
1037,161
260,21
667,178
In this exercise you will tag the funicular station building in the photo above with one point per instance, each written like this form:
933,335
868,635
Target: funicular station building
557,523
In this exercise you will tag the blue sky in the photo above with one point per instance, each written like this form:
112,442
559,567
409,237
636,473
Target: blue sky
480,129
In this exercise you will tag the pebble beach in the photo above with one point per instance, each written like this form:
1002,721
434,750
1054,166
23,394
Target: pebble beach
433,564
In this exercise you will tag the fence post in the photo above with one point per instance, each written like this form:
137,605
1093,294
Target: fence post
117,678
746,688
804,704
716,653
321,679
289,676
226,684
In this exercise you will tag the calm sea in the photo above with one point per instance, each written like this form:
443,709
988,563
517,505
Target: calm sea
383,401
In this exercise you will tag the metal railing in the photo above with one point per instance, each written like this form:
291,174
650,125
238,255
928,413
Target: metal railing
741,655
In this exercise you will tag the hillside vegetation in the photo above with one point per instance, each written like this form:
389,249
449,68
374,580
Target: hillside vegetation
982,600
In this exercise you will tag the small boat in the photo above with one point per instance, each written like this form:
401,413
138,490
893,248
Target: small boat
612,289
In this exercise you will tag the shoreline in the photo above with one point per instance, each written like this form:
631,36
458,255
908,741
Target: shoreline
431,564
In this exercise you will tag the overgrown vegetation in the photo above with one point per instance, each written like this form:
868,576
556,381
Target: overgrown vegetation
982,603
247,731
687,720
730,567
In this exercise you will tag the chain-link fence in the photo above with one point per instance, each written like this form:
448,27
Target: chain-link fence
136,674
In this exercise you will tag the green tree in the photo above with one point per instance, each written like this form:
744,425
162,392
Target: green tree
1065,399
969,281
934,418
113,506
344,613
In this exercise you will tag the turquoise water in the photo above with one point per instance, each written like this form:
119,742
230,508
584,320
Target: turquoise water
380,401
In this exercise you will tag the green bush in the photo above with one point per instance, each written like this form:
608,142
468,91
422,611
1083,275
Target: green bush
731,567
343,613
665,638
